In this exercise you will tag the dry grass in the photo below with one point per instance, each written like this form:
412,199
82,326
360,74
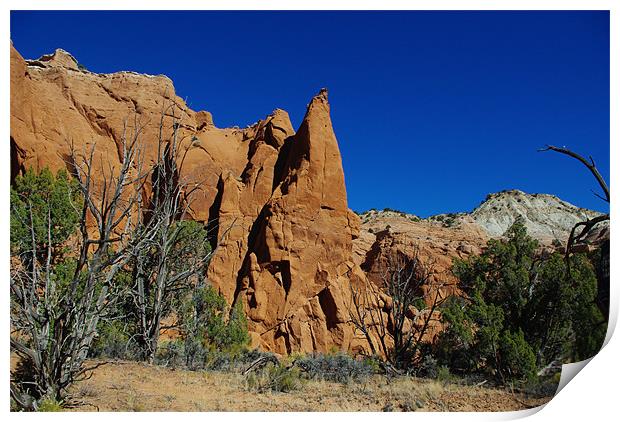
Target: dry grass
131,386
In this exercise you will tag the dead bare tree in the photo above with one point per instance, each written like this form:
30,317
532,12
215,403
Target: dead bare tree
580,231
366,316
54,317
395,316
172,255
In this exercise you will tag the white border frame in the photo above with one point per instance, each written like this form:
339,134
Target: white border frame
591,395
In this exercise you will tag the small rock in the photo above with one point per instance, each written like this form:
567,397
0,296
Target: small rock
388,408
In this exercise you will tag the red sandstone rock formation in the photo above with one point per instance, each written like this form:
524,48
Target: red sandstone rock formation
277,197
296,271
54,103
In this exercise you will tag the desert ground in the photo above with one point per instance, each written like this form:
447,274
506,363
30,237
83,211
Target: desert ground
131,386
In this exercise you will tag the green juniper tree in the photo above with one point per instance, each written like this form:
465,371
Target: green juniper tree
175,252
519,311
208,326
44,211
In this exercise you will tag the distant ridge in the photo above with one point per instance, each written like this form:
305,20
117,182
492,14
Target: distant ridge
545,216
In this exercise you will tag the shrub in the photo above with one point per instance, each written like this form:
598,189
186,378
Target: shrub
404,281
338,367
171,353
518,359
112,342
250,356
116,334
373,363
428,367
283,379
213,337
274,377
443,374
179,353
165,269
194,352
232,361
48,404
43,194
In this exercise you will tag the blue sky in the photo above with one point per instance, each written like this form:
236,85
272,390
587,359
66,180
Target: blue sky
432,110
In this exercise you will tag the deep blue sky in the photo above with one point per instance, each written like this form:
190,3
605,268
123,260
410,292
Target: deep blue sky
432,110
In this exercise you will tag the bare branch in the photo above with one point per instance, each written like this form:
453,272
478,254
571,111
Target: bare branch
589,164
397,314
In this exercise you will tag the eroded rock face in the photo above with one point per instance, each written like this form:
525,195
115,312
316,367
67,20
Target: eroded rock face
546,217
241,199
276,198
296,270
386,234
53,103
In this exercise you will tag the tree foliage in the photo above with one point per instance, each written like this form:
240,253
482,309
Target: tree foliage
519,311
208,325
39,199
107,245
69,303
176,252
58,298
163,272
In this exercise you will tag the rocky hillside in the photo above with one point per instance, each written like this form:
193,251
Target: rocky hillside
442,237
546,217
385,233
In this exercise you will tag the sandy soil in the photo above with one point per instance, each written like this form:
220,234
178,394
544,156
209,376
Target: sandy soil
131,386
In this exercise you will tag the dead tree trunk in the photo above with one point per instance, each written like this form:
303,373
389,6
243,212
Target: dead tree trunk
54,318
165,264
395,317
581,230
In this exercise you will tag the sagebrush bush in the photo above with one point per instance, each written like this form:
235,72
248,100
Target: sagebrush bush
175,353
272,377
232,360
50,405
113,342
171,353
443,374
428,367
338,367
213,337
